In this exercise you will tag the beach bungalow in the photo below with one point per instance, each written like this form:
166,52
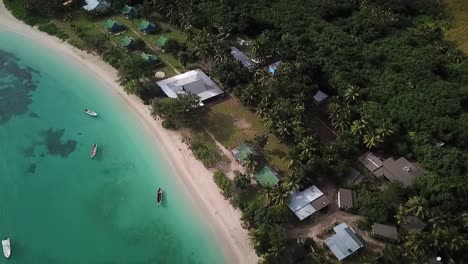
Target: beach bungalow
320,97
96,5
149,57
386,232
346,198
344,242
304,204
242,151
400,170
161,41
126,42
112,26
272,67
370,161
146,27
129,11
240,56
267,176
193,82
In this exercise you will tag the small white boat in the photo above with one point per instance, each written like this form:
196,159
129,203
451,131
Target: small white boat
6,247
90,112
93,151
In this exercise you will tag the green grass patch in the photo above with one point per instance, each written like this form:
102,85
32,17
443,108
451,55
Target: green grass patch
51,29
459,30
231,123
204,148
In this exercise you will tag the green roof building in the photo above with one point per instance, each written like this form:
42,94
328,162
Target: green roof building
112,26
146,27
148,57
126,42
161,41
267,176
129,11
242,151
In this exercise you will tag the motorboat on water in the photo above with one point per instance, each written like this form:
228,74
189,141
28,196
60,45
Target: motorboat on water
93,151
159,196
6,247
90,112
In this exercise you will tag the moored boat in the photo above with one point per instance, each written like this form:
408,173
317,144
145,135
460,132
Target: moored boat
93,151
159,196
6,247
90,112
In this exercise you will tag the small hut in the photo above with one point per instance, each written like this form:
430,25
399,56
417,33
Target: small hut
129,11
148,57
161,41
126,42
112,26
146,27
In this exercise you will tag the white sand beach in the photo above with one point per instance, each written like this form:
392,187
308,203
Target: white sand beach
192,175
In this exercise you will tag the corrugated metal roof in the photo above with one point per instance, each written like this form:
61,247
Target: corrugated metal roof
344,242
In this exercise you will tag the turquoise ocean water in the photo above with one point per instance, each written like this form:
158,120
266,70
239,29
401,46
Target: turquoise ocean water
58,205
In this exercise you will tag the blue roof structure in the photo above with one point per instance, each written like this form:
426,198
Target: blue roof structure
344,242
272,68
96,5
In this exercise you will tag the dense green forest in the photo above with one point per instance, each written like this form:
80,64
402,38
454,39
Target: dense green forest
398,88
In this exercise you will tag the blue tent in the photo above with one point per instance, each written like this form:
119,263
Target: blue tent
272,68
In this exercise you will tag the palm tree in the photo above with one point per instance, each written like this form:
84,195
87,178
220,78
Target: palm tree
280,195
416,206
385,129
292,182
372,140
359,127
416,242
340,116
251,164
351,94
266,192
391,254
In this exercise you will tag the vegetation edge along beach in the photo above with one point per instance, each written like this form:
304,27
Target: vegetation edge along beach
350,123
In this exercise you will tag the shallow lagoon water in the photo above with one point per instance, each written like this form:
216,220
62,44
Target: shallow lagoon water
58,205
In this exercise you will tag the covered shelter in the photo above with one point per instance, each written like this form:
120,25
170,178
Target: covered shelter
126,42
267,176
161,41
148,57
96,5
242,151
191,82
272,67
344,242
320,97
129,11
304,204
146,27
385,231
400,170
240,56
370,161
346,198
112,26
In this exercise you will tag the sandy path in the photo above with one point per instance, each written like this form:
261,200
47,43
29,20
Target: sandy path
193,176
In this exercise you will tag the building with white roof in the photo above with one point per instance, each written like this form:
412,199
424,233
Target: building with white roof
96,5
193,82
344,242
305,203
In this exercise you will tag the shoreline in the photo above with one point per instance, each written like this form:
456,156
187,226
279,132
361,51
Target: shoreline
219,215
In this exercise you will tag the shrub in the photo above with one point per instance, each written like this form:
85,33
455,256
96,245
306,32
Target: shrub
208,157
241,180
223,183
